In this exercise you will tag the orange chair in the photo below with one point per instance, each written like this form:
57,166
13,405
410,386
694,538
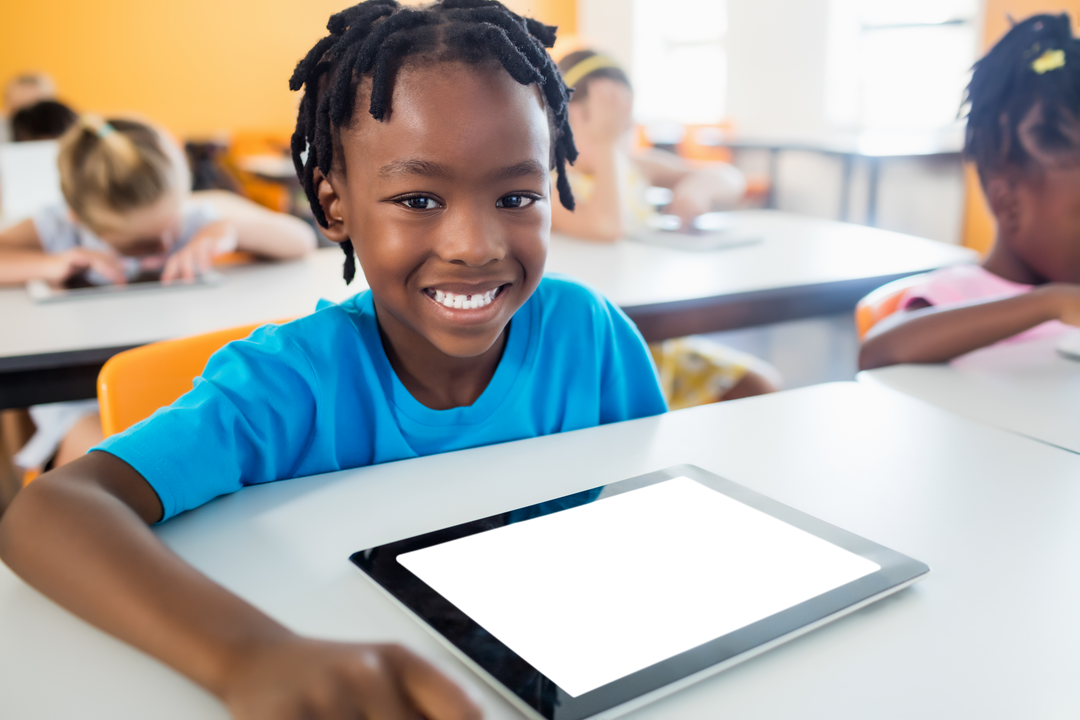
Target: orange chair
882,303
135,383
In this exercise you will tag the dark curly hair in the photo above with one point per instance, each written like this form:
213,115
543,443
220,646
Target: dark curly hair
374,37
1036,65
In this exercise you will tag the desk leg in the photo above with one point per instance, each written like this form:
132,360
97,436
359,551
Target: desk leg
872,191
774,174
845,189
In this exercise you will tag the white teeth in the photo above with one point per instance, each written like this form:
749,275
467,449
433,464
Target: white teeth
465,302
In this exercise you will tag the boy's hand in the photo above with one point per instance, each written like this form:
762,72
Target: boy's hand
198,255
304,679
62,266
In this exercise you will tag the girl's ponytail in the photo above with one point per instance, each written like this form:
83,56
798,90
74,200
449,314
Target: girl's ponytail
114,166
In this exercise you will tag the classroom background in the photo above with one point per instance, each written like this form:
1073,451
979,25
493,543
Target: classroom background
843,110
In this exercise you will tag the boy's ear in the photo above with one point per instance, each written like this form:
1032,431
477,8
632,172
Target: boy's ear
331,205
1004,202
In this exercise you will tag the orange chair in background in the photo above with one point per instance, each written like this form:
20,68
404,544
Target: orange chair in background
135,383
882,303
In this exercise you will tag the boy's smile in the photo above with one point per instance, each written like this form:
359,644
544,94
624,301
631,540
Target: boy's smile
446,202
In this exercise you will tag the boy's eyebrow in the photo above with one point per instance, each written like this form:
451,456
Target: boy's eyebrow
426,168
414,167
522,169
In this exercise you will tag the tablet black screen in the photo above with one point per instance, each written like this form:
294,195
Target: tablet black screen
591,594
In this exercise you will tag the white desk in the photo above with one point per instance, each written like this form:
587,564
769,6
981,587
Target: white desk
989,634
1027,388
805,267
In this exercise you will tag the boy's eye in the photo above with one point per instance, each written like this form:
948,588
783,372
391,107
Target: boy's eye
515,201
420,203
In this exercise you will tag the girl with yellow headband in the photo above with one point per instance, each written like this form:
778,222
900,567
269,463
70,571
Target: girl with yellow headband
608,181
609,186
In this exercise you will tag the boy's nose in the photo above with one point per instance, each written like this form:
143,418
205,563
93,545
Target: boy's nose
471,237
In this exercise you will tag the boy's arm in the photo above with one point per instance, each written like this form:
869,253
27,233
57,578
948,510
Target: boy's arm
79,535
932,334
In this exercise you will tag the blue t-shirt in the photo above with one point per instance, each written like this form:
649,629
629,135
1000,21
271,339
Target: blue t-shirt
318,394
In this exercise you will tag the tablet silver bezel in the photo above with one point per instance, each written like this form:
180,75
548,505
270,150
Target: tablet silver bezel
893,571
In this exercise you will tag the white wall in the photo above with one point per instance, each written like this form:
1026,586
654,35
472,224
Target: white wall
776,65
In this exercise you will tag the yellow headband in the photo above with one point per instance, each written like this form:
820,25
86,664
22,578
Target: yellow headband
590,64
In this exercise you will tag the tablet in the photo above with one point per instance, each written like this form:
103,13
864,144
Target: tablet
711,231
597,603
43,292
1069,346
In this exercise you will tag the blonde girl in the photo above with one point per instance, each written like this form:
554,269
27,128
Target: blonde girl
127,212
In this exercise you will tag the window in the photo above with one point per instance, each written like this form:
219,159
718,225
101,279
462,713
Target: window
679,61
898,65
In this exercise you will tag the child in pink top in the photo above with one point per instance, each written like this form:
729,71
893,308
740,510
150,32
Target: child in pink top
1023,134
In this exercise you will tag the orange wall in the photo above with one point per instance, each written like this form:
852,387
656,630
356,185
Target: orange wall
199,67
979,225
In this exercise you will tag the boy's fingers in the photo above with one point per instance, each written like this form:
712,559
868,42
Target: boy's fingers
431,692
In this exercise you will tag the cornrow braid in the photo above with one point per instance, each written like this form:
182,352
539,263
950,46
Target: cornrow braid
1035,65
374,38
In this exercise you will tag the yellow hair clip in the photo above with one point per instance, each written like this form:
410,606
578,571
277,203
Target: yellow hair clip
1049,60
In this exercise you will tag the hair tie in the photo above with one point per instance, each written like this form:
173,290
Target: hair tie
1049,60
590,64
97,125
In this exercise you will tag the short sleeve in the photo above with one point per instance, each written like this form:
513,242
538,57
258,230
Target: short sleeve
54,230
249,419
197,215
630,387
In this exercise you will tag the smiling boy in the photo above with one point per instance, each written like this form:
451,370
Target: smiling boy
460,342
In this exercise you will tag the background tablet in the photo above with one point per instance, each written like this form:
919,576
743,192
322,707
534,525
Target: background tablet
598,602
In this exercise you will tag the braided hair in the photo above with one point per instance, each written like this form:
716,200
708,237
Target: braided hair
374,37
1036,65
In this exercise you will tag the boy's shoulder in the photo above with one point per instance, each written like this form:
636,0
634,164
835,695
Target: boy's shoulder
567,293
326,328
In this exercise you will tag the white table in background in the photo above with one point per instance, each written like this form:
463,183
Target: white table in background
989,634
804,267
1025,387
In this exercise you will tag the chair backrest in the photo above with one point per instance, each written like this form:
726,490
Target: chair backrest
135,383
882,303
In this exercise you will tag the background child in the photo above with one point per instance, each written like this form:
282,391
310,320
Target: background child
1023,134
609,191
46,120
609,182
425,141
20,92
128,212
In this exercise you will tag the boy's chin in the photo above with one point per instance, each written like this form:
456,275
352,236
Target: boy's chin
469,347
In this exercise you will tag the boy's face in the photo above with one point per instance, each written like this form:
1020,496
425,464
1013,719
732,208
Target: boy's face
446,202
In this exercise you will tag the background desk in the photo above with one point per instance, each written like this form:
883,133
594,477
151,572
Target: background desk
989,634
805,267
1027,388
870,147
